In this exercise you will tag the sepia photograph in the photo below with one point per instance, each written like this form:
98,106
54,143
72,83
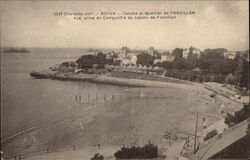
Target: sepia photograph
124,80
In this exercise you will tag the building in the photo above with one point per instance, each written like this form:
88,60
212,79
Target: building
230,54
131,54
128,58
167,57
185,53
125,61
133,59
196,53
153,52
243,54
157,61
111,55
122,54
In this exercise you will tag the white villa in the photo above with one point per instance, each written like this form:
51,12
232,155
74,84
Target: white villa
127,57
185,53
167,57
230,54
195,52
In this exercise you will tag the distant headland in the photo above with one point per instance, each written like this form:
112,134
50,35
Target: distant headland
15,50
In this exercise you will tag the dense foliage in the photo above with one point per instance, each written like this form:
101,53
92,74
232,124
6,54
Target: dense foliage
177,52
145,59
147,151
210,134
210,61
68,64
125,48
97,156
212,66
87,61
214,53
244,80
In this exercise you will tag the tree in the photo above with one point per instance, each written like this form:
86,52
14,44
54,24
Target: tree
178,63
231,79
145,152
191,49
97,156
151,48
145,59
157,55
87,61
211,134
189,64
192,58
213,61
244,80
159,64
214,53
204,64
167,65
183,64
178,53
217,66
231,66
67,64
125,48
101,59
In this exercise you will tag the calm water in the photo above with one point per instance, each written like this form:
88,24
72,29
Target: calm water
25,100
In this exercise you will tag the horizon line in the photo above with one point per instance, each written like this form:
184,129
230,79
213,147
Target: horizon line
117,48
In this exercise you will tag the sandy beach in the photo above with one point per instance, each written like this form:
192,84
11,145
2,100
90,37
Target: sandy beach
133,117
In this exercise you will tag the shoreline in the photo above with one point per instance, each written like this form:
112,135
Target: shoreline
105,79
125,82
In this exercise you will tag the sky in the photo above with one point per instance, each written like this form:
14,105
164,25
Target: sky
215,24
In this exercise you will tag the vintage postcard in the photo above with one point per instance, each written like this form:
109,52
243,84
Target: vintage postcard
120,80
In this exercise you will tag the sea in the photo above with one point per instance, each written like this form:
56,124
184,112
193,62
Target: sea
43,114
25,100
